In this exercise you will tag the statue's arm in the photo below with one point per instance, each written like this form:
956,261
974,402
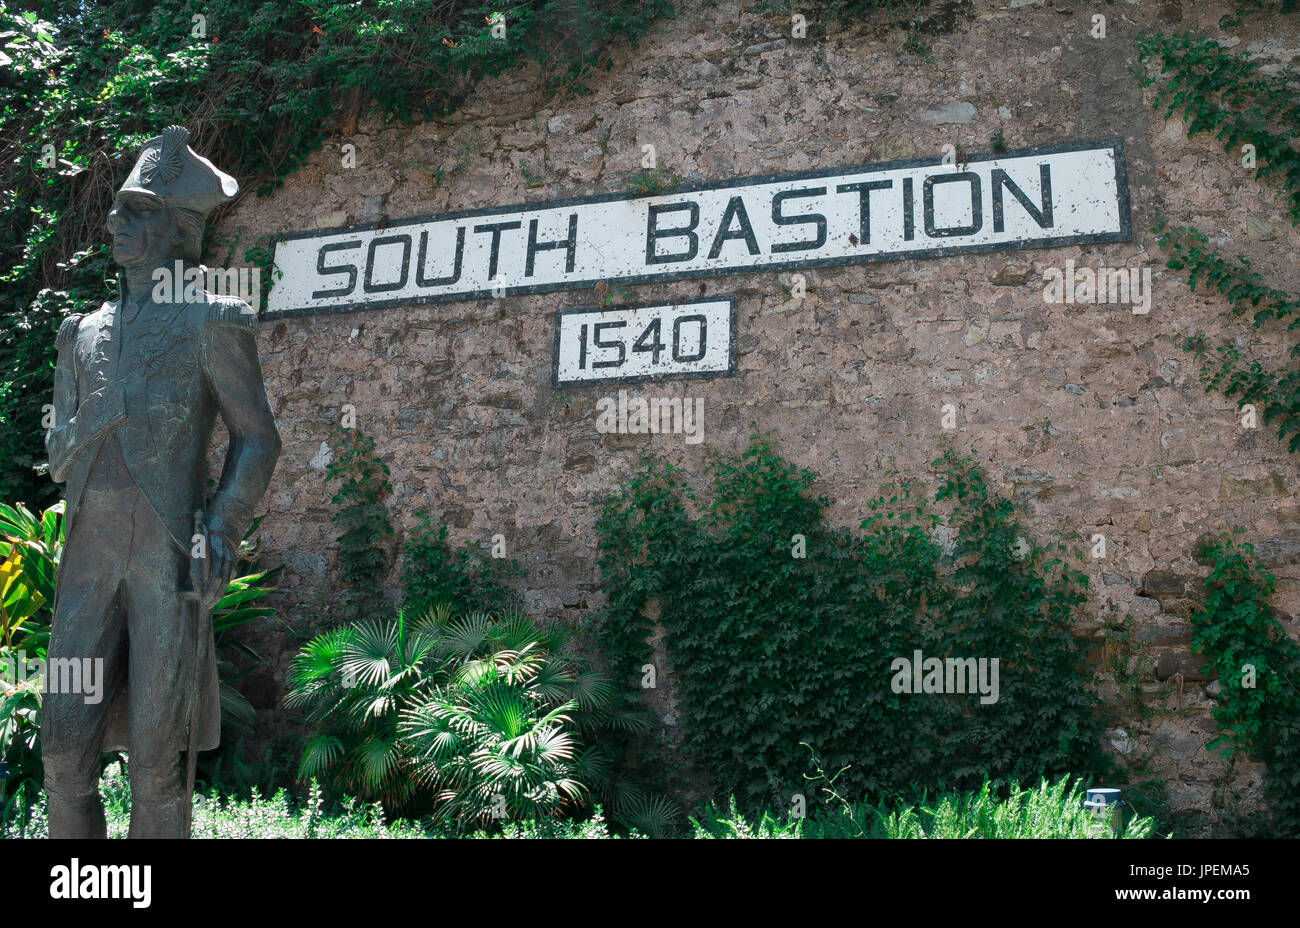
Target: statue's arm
235,377
58,439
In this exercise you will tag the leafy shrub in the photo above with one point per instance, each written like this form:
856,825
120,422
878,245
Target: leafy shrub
218,817
363,518
496,742
772,649
465,579
474,718
1050,810
30,549
1258,666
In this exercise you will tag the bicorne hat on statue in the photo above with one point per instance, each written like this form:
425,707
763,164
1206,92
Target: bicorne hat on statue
169,169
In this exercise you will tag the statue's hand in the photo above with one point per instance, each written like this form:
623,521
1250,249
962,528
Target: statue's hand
223,558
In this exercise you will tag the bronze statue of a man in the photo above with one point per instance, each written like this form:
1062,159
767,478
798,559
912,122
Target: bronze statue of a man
138,386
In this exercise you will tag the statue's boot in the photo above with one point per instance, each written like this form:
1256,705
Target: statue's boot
75,815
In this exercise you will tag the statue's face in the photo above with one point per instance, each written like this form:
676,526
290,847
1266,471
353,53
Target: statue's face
144,232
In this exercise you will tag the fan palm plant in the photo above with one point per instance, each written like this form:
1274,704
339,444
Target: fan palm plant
476,718
489,744
354,681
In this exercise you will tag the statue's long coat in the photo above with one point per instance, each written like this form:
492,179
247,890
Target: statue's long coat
160,391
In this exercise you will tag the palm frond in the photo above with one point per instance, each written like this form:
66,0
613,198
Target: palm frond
652,815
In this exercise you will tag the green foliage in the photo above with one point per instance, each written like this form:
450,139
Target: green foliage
653,181
353,682
216,816
479,719
261,86
30,549
474,718
1050,810
496,742
1258,666
771,649
465,579
1128,659
1276,394
1244,8
1226,94
1229,95
363,518
1243,287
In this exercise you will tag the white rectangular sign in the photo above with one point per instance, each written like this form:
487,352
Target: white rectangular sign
1059,195
626,344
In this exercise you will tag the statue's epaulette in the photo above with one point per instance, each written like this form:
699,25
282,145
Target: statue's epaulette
68,330
228,310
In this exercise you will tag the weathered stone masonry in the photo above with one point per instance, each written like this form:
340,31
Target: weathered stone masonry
1091,415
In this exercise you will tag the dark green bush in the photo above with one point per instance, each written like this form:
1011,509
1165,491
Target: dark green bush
362,514
772,650
466,579
1258,667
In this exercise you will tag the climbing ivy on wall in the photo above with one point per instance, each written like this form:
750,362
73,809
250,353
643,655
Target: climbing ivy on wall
1254,114
465,579
362,517
781,629
1274,393
1226,94
1258,667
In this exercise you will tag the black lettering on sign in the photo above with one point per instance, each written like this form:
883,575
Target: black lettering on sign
1046,197
455,271
735,210
864,189
909,222
570,244
633,344
1043,216
349,269
617,343
375,244
976,203
654,233
814,219
703,323
654,347
496,228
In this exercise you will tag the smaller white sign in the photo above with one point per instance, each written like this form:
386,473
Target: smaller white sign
626,344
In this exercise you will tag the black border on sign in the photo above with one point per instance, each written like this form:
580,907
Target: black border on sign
728,298
1124,234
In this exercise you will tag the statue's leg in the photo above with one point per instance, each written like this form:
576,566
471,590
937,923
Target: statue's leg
162,679
88,624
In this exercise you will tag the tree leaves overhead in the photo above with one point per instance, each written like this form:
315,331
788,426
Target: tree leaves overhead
260,84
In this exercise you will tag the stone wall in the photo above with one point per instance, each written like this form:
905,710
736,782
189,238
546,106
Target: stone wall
1091,415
